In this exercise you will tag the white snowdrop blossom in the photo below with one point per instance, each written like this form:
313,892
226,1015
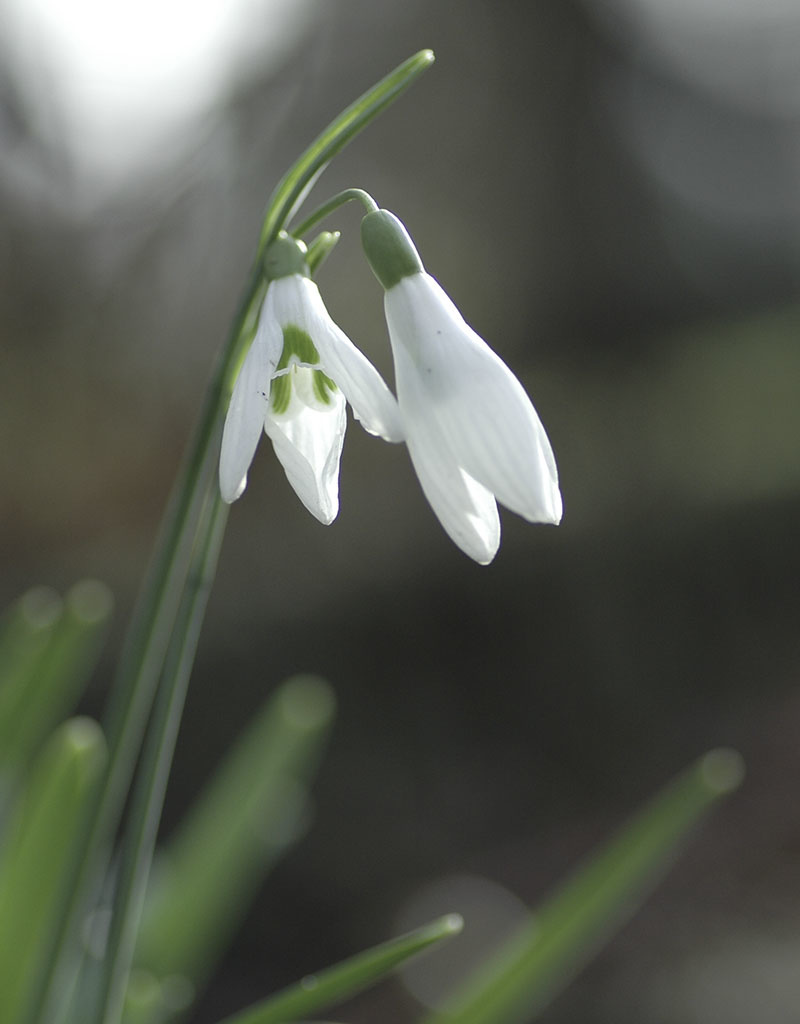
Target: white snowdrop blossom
293,384
473,434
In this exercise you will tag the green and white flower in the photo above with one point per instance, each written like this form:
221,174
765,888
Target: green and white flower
294,382
473,434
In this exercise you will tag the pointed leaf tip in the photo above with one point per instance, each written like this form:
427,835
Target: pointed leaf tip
722,770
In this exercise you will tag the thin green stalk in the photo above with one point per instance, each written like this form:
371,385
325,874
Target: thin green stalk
151,781
296,183
140,666
348,196
149,635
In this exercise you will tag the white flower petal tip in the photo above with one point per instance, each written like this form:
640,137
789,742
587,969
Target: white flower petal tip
229,491
473,434
308,439
294,383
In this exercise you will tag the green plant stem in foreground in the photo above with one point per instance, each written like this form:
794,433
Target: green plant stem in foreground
156,760
150,634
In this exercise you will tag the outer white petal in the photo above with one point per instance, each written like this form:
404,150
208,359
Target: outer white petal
248,407
308,440
298,301
481,408
466,509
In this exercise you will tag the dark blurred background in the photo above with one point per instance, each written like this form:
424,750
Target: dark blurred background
609,191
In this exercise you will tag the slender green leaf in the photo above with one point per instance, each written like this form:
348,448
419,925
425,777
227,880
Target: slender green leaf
575,922
319,991
156,760
151,1000
25,633
32,863
244,819
41,697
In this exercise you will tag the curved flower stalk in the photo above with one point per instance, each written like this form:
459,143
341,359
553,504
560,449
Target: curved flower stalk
472,433
294,383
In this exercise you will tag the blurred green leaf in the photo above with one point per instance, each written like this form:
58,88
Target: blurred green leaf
38,846
245,818
151,1000
25,633
576,921
48,651
319,991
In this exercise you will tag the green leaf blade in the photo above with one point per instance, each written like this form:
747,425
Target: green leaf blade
39,698
576,921
243,820
40,841
329,987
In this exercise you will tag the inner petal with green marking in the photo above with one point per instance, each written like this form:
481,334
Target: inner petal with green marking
298,368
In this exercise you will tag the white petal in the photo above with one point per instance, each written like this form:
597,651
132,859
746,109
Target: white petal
466,509
481,408
247,409
300,302
308,440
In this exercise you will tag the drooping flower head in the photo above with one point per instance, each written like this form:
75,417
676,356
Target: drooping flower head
293,384
473,434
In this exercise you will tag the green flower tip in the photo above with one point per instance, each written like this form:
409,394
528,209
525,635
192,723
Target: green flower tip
286,256
388,248
722,771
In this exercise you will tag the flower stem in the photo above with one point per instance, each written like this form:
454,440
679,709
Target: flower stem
159,626
333,204
296,183
156,759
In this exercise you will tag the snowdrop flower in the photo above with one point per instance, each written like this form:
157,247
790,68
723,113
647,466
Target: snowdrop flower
472,433
293,384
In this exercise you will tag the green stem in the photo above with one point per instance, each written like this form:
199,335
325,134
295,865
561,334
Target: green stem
140,668
151,631
154,767
296,183
333,204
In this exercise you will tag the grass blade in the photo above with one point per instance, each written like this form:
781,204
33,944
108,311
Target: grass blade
329,987
40,698
41,833
575,922
240,824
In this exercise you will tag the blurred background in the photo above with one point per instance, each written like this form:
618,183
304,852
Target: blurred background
609,190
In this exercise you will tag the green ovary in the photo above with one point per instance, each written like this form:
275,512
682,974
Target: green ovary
297,344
